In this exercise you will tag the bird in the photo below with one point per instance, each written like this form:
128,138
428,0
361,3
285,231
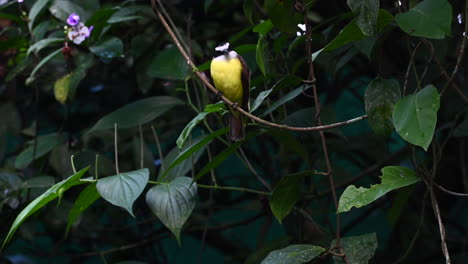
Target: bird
231,77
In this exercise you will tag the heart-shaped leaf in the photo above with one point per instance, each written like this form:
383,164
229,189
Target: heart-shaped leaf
285,195
358,249
294,254
173,202
381,95
393,177
367,11
124,188
428,19
415,116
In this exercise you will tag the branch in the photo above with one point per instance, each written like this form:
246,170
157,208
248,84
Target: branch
227,101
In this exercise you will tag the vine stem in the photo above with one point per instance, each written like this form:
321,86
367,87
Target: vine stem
116,150
203,78
217,187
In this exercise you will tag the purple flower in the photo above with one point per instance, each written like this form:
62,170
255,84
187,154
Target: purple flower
79,33
73,19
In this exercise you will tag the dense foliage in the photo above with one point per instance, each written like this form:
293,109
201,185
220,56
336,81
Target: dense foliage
114,146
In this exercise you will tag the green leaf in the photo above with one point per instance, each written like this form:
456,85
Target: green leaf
126,13
184,154
358,249
288,97
352,32
32,77
87,197
294,254
223,156
137,113
42,44
263,27
381,95
248,7
283,14
286,194
44,145
169,64
37,7
259,100
124,188
107,48
61,9
415,116
186,165
62,87
260,54
393,177
44,199
173,202
429,19
367,11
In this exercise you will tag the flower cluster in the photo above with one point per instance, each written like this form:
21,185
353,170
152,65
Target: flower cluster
78,32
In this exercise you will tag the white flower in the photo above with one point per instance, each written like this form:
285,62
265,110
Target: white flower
79,33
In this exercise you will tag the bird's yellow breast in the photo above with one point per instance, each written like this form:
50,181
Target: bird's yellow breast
226,74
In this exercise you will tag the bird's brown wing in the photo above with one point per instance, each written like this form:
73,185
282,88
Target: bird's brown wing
245,77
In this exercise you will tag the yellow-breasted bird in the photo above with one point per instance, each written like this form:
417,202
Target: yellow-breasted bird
231,76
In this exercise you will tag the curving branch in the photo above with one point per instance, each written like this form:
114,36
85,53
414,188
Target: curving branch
203,78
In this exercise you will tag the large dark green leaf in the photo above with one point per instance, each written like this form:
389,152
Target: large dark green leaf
43,43
124,188
294,254
393,177
126,13
415,116
61,9
32,77
428,19
173,202
87,197
358,249
367,11
37,7
169,64
283,14
285,195
44,145
52,193
381,95
107,48
137,113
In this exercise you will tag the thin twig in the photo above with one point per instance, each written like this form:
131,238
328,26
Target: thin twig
116,150
227,101
251,168
217,187
409,66
158,145
454,84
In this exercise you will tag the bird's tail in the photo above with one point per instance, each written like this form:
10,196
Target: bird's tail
236,128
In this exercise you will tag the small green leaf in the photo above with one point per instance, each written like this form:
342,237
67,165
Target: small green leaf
87,197
45,144
284,15
428,19
184,154
285,195
248,7
288,97
41,201
358,249
415,116
173,202
393,177
263,27
169,64
62,87
42,44
189,127
37,7
367,11
260,54
381,95
137,113
124,188
260,98
294,254
107,48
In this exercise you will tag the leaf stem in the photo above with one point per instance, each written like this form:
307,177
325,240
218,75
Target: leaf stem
217,187
116,150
